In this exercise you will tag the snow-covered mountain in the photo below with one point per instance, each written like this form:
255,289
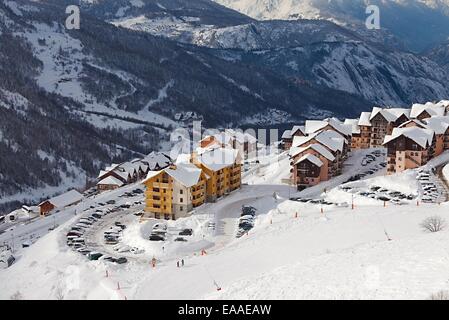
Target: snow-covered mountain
419,23
72,101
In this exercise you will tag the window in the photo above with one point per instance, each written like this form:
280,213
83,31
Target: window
181,191
181,208
181,200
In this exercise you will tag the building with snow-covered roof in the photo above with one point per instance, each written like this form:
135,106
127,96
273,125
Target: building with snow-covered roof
223,167
424,111
409,148
306,170
173,192
383,121
60,202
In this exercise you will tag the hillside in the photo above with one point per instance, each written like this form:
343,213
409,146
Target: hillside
295,251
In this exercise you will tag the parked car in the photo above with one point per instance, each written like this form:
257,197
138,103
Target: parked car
186,232
111,202
121,260
94,255
155,237
180,239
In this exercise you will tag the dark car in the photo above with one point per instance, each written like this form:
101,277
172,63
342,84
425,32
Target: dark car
180,239
111,202
186,232
121,260
138,191
94,256
155,237
125,206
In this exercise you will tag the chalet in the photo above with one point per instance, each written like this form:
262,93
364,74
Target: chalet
307,171
109,183
60,202
173,192
409,148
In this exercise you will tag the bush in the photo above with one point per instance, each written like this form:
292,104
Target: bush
440,295
433,224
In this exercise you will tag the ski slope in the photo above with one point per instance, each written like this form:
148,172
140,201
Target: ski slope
296,250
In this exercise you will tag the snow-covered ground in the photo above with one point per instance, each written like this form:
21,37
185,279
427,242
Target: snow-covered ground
297,250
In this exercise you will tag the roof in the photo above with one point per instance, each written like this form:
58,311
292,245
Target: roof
391,114
111,181
241,136
423,137
311,158
437,124
315,146
316,125
354,123
65,199
365,119
296,128
329,138
287,134
186,174
431,108
218,159
416,121
157,160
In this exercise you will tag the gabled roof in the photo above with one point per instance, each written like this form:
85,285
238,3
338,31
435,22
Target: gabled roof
431,108
287,134
354,123
295,129
419,123
157,160
313,126
422,137
218,159
240,136
110,180
310,157
391,114
65,199
315,146
329,138
437,124
365,119
186,174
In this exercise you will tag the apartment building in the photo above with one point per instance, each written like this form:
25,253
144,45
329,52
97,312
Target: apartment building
332,141
311,164
409,148
288,135
356,139
383,121
222,166
441,127
175,191
424,111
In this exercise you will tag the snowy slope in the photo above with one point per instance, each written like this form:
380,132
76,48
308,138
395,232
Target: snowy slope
295,251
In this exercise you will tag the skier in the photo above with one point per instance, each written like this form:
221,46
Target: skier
182,262
177,263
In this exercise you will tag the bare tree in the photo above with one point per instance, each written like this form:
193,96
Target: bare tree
17,296
440,295
433,224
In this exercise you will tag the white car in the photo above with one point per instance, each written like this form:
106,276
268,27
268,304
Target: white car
137,250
